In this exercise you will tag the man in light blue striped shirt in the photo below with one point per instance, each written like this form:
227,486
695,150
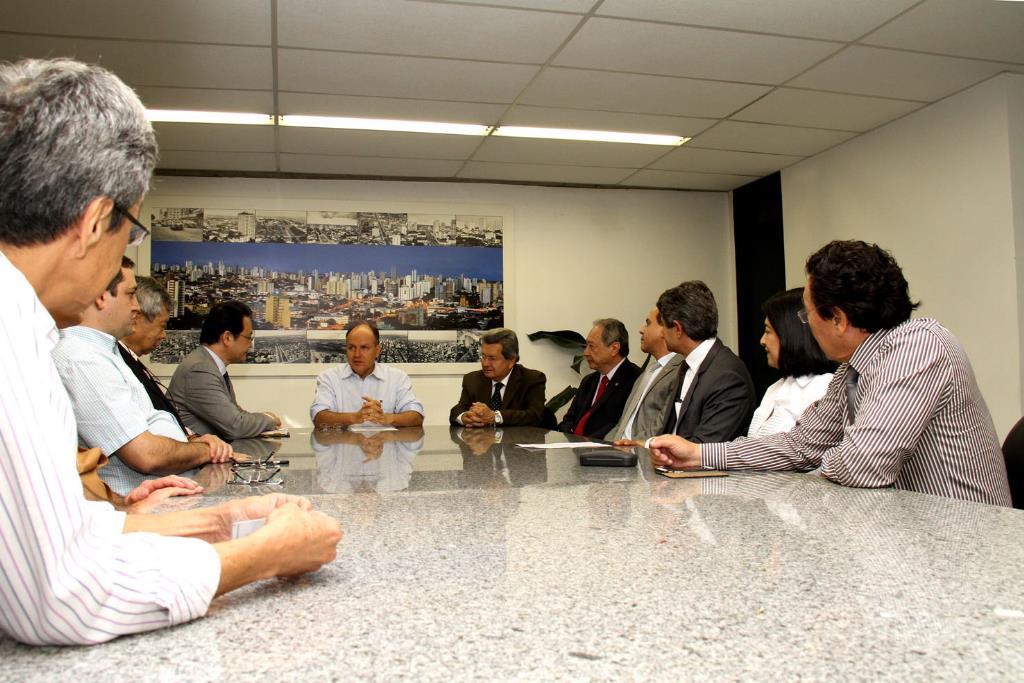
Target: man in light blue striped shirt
112,408
363,390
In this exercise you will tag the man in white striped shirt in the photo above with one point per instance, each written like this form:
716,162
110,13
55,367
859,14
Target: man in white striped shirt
903,409
76,155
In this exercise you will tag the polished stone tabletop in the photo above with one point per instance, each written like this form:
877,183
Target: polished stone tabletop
466,556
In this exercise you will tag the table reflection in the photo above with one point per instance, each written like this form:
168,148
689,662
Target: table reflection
348,462
491,460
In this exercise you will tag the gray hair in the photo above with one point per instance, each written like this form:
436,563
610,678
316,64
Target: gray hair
507,338
612,331
153,299
69,133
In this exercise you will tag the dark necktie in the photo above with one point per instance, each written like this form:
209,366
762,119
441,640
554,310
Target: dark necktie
227,383
851,393
581,425
495,402
153,386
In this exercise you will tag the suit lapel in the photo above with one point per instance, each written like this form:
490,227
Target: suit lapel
513,386
705,364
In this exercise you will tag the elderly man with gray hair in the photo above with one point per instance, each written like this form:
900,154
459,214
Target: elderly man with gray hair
602,395
76,156
502,392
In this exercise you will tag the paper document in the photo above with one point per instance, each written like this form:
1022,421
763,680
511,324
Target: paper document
371,427
567,444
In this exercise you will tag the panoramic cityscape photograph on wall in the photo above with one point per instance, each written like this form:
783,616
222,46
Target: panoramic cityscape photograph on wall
431,282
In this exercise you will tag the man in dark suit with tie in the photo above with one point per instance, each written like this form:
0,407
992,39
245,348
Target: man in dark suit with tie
201,388
714,395
150,330
502,392
602,395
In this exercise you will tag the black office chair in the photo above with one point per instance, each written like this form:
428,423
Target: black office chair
1013,453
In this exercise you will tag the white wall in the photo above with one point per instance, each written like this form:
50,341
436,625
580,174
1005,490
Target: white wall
573,255
935,188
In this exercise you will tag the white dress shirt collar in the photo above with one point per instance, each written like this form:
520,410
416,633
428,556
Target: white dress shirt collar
216,359
697,356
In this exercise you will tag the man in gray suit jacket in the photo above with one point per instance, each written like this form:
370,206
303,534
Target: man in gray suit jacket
644,415
201,388
713,398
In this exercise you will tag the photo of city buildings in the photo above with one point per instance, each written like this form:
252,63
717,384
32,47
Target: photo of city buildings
432,282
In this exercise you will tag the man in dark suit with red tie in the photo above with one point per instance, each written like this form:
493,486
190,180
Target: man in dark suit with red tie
602,395
502,392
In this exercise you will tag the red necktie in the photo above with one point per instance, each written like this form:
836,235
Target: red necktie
583,420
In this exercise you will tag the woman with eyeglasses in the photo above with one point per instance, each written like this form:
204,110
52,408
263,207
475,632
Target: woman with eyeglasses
791,349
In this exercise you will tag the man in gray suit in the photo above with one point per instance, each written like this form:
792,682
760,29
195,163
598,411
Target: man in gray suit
201,388
713,397
644,415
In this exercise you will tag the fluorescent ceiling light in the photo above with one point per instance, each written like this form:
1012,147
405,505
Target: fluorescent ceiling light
591,135
383,124
181,116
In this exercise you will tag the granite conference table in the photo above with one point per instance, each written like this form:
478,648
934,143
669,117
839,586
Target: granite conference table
474,558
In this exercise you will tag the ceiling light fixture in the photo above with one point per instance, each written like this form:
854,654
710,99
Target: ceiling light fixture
392,125
230,117
589,135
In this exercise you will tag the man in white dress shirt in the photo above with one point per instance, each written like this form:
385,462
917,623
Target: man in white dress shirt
364,390
76,156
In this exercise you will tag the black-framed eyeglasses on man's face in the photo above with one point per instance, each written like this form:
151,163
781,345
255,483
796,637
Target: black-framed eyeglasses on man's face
138,233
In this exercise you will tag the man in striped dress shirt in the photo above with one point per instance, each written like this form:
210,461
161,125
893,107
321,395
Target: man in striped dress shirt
76,155
903,409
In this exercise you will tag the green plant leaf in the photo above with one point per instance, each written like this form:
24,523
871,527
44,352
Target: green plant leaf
576,360
560,399
567,339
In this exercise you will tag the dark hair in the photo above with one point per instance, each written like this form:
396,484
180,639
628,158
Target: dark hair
612,331
864,281
69,133
364,323
693,305
799,353
119,277
153,299
227,316
504,336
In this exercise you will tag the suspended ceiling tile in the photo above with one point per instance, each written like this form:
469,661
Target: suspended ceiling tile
687,181
580,88
549,117
354,165
158,64
983,30
824,110
389,108
421,28
376,143
201,21
764,137
410,77
568,152
210,137
578,6
256,101
825,19
892,73
687,158
544,173
218,161
624,45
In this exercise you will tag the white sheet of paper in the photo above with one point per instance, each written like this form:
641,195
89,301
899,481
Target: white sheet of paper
568,444
246,527
371,427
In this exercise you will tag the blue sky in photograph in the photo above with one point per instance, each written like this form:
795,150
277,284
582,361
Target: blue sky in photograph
476,262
